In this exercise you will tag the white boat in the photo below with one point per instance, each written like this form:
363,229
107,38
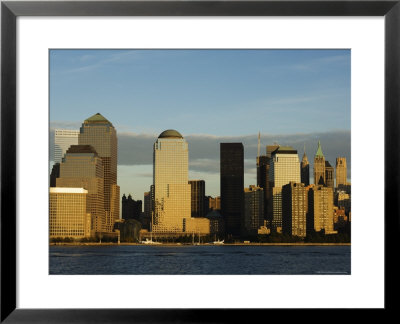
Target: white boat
150,242
218,242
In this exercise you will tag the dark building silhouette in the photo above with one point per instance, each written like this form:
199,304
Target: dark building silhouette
131,209
263,163
55,173
329,178
232,184
305,169
198,192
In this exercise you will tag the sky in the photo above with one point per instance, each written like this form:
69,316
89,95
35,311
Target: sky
292,97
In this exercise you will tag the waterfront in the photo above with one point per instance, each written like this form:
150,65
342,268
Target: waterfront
203,259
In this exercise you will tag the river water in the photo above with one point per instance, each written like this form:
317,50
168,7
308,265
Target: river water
204,259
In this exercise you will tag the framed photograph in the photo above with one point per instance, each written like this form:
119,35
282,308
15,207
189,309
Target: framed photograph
238,83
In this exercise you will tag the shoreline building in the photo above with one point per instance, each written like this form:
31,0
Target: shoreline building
172,197
63,139
198,194
341,171
81,167
294,209
305,169
68,215
253,209
98,132
284,168
231,186
319,167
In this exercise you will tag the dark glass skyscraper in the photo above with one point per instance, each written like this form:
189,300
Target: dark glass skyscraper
232,186
198,194
263,181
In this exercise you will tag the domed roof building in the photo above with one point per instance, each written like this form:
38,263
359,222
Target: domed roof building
170,133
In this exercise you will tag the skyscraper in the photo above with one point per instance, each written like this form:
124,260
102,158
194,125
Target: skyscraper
172,199
341,171
83,168
262,179
320,209
253,209
319,167
284,168
63,139
68,215
294,209
305,169
329,179
232,184
197,197
98,132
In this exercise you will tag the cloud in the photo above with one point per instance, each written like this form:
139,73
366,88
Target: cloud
204,149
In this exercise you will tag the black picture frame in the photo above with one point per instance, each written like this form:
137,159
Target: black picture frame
10,10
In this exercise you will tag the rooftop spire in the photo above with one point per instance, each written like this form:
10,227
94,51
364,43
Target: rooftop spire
305,159
319,151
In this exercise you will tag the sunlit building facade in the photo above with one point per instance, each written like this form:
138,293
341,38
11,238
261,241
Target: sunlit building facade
63,139
341,171
83,168
294,209
329,175
68,215
172,196
284,168
320,209
319,167
98,132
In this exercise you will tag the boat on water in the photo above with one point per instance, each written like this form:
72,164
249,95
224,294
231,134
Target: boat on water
218,242
149,242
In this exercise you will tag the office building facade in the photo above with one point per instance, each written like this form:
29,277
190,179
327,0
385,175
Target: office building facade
68,216
284,168
198,195
329,175
263,163
253,209
231,186
294,209
341,171
98,132
63,139
83,168
320,209
172,197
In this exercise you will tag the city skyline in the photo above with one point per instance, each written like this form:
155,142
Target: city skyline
293,97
